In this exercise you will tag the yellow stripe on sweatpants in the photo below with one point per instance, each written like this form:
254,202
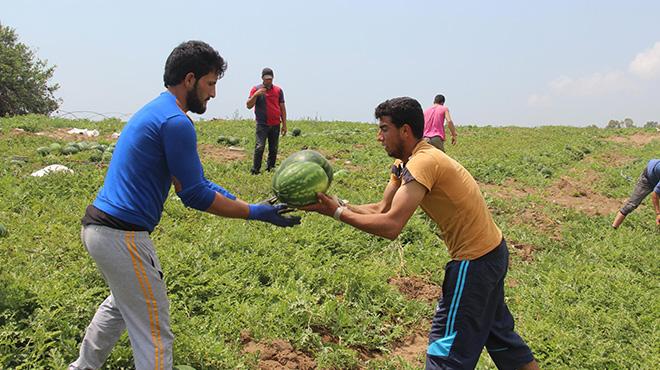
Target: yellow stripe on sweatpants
154,309
136,260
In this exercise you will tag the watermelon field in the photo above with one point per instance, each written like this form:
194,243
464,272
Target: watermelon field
247,295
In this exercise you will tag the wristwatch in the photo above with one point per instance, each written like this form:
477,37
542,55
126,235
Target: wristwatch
338,212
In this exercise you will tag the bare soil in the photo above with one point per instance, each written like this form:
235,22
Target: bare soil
417,288
277,354
221,153
638,139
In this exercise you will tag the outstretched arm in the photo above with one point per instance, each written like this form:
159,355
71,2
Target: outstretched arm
387,224
380,207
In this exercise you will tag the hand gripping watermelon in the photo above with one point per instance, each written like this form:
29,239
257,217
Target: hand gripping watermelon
298,183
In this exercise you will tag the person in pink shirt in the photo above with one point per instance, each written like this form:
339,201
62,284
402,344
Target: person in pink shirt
434,123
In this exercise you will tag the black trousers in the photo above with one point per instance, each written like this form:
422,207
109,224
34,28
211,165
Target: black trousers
272,134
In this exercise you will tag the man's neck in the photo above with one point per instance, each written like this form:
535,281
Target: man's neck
408,150
180,95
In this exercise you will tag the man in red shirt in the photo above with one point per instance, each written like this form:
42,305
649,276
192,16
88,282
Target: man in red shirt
270,112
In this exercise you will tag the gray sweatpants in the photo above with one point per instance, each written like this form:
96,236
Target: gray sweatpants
642,189
137,302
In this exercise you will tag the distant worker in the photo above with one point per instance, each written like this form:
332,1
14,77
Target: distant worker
270,112
434,123
648,182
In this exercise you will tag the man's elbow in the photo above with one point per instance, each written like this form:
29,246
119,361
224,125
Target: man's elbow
392,232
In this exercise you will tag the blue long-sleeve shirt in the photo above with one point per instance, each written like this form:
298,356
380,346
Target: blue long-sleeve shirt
159,142
653,173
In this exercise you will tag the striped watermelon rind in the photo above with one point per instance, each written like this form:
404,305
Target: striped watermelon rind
298,183
309,155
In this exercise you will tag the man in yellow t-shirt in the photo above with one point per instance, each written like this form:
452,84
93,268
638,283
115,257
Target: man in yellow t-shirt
471,313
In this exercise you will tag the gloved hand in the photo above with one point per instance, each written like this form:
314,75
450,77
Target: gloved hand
273,214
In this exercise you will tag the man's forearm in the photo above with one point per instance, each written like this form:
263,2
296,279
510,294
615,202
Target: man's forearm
250,103
225,207
656,202
379,224
366,209
452,129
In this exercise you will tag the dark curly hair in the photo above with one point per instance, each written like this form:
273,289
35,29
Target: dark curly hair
403,111
193,56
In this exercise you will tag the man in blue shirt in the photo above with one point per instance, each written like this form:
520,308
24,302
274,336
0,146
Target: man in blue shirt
157,148
648,182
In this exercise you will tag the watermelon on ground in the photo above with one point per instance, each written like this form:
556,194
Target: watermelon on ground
3,231
296,132
70,150
233,141
44,150
55,147
309,155
298,183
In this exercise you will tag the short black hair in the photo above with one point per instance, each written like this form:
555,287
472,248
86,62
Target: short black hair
439,99
193,56
267,71
402,111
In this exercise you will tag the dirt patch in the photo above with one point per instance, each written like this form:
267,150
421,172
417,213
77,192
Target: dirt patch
525,251
326,334
221,153
416,288
638,139
510,189
511,282
411,349
612,159
276,355
578,194
539,220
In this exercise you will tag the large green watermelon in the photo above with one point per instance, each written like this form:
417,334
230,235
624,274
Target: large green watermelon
297,183
3,231
309,155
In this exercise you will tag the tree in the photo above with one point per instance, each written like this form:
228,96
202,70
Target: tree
628,123
651,124
614,124
24,86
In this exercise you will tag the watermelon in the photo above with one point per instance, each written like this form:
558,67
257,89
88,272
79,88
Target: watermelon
233,141
308,155
296,132
3,231
222,139
44,150
70,149
298,183
96,156
55,147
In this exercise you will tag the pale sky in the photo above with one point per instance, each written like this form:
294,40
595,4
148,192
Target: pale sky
525,63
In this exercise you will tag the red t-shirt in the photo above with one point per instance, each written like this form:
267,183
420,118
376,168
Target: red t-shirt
267,107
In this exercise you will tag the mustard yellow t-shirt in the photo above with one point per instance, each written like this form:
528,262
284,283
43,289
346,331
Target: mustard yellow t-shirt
453,201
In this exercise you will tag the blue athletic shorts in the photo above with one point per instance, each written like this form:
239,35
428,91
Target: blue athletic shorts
472,314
